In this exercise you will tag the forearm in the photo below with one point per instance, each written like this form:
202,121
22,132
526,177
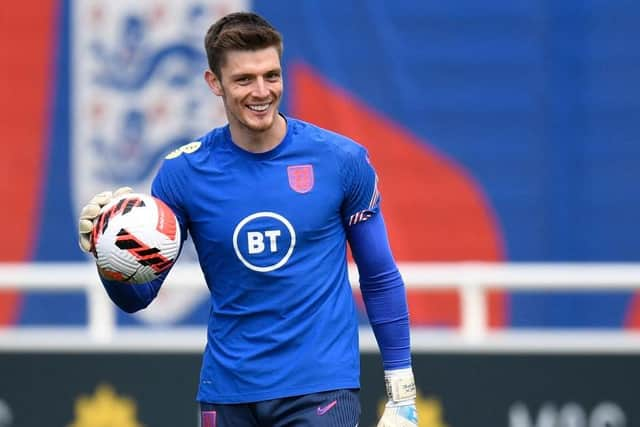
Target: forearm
132,297
386,306
383,291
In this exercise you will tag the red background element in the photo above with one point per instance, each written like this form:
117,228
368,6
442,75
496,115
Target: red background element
26,46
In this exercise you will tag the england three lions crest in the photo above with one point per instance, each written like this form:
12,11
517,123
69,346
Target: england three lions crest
300,178
138,94
138,91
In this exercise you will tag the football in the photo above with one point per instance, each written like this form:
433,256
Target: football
135,238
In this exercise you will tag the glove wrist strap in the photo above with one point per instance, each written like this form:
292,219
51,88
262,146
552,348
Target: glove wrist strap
400,385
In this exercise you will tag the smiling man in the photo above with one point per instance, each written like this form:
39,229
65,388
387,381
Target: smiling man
251,89
271,203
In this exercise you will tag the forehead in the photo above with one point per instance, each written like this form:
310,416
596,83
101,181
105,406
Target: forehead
251,61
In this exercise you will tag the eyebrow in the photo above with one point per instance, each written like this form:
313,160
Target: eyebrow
240,75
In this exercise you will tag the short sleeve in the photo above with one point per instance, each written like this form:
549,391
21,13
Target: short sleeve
362,198
167,186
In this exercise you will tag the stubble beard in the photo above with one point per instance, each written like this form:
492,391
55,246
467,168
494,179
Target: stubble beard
240,119
257,126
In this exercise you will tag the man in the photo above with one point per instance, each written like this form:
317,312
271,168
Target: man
270,203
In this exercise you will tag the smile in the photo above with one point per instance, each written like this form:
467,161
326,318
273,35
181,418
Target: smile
259,108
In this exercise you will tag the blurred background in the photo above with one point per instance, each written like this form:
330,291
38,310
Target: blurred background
506,135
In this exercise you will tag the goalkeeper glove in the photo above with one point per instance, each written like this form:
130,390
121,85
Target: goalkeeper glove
91,211
400,410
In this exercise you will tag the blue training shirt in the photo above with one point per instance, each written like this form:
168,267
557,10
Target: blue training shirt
270,232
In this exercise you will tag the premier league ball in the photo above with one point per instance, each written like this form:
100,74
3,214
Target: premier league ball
136,237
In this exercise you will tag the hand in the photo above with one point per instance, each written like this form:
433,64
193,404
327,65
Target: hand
399,415
400,410
91,211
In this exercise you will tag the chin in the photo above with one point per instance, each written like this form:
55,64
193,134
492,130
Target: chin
260,125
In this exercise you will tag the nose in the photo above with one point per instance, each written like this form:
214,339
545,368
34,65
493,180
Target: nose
260,89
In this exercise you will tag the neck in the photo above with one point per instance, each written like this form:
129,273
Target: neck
259,141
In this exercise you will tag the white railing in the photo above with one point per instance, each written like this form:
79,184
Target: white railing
471,279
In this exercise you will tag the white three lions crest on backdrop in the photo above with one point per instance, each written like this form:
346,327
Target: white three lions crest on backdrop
138,93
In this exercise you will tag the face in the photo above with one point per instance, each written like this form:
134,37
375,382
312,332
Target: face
251,87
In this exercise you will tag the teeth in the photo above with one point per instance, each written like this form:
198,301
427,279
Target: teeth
262,107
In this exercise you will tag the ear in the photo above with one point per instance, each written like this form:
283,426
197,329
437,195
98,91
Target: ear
213,82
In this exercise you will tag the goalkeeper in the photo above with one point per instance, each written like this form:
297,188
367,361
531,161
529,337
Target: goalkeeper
271,203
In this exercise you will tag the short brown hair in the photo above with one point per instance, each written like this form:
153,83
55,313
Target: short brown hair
239,31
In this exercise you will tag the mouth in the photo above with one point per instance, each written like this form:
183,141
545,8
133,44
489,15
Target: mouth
259,108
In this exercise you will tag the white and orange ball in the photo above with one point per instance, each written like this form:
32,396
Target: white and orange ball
136,237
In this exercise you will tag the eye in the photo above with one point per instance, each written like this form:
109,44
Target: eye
243,80
273,76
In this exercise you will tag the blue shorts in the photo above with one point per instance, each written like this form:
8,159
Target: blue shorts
336,408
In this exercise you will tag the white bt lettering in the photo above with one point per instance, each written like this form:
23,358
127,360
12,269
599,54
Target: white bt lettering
255,241
267,249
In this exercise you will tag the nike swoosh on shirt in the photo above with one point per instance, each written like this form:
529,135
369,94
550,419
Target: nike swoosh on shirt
324,409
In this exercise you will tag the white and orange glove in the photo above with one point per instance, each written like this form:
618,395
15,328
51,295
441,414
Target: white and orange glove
90,212
400,410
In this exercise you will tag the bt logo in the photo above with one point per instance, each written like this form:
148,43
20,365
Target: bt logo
256,241
264,241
